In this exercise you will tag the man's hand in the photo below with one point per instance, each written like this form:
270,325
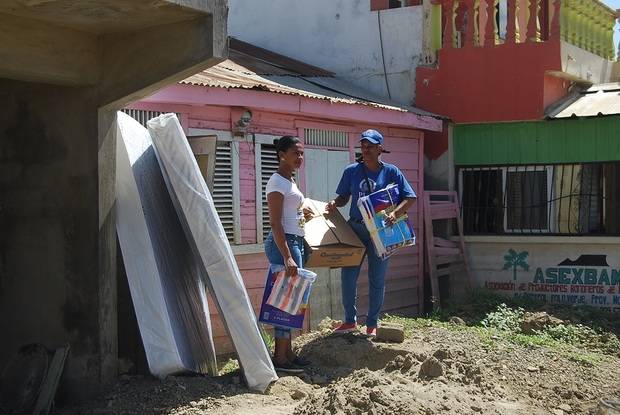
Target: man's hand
331,206
390,218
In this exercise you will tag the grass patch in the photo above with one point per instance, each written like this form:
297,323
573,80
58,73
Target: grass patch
231,365
586,334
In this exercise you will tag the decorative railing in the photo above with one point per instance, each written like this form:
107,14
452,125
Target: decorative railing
587,24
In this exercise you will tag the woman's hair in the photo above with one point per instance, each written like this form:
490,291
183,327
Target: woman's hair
285,142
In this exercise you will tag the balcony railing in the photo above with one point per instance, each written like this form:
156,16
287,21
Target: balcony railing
587,24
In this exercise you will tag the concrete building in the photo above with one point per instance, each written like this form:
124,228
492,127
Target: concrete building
65,68
377,50
538,190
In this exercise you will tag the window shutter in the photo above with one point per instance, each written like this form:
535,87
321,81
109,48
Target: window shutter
223,188
142,116
268,166
326,138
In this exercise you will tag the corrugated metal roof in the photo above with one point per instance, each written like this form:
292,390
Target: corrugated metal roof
250,67
599,100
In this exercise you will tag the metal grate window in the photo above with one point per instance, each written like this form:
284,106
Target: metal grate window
326,138
561,199
142,116
223,189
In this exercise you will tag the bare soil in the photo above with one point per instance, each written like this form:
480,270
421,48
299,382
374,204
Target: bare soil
438,369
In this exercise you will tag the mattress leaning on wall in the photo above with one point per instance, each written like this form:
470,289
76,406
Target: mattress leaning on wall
167,290
207,237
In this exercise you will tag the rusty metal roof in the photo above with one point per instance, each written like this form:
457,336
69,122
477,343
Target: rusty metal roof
251,67
599,100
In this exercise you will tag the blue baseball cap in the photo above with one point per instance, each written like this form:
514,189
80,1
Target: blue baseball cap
373,136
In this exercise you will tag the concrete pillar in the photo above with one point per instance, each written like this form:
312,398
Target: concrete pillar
64,72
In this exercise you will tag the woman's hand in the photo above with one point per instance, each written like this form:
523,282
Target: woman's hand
308,213
291,267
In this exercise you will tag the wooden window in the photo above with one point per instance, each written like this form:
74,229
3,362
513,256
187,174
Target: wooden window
326,138
225,177
266,166
222,192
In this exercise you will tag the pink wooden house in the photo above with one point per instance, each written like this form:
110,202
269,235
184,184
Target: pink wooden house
256,96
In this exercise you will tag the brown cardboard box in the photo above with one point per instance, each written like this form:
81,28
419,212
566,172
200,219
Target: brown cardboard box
330,239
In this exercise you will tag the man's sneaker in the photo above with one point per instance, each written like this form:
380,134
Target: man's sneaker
287,368
345,328
371,331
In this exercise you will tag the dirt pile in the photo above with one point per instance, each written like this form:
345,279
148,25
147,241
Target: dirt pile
440,368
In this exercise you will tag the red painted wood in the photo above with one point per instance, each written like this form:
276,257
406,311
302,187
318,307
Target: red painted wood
508,87
554,89
379,5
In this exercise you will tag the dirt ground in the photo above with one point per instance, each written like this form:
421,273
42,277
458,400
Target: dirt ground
438,369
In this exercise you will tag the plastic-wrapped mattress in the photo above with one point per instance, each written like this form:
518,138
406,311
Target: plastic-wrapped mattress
167,289
209,243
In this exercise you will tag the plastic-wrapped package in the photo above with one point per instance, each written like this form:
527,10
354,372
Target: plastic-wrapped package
209,243
375,207
289,294
168,293
270,314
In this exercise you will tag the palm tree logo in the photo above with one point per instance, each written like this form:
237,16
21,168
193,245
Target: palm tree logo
516,260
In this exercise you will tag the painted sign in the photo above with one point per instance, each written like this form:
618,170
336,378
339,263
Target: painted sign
586,280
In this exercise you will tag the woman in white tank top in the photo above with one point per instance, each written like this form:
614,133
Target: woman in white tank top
285,243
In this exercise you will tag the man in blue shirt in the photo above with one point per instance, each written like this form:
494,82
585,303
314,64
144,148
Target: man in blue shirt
361,179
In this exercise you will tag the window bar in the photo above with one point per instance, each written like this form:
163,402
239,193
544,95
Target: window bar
561,199
533,206
504,188
485,215
550,201
605,168
522,209
535,216
570,200
591,191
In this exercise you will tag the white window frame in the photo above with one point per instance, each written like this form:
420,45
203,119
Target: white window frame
551,225
227,136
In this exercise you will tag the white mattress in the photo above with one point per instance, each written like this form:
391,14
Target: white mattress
165,281
206,236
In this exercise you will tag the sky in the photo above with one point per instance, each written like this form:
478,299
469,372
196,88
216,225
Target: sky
615,4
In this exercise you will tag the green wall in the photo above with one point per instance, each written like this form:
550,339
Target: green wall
538,142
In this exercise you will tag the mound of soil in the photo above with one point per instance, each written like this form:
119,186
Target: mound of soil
434,371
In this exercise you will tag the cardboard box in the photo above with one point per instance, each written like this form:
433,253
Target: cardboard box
330,240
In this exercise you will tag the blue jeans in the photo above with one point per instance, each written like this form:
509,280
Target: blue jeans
376,280
296,246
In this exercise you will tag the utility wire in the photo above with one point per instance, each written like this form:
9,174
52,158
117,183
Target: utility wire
387,84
